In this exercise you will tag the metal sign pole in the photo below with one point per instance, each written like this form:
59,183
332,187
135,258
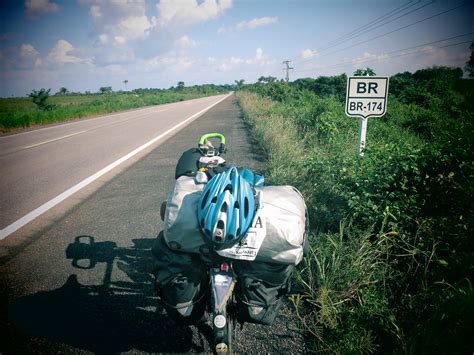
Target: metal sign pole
366,96
362,135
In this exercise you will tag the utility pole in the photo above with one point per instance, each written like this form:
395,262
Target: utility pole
287,63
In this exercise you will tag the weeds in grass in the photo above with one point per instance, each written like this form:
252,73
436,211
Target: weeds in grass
395,275
22,113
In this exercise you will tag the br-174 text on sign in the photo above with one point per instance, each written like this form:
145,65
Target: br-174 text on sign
366,96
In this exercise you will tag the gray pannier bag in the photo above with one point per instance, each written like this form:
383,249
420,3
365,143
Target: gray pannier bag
180,281
283,210
286,222
181,230
260,290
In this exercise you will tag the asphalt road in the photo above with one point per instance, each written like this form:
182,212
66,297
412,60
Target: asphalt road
39,165
106,303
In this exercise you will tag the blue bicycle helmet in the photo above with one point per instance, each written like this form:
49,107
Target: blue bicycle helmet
226,209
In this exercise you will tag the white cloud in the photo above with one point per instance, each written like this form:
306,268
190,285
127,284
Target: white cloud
368,57
23,57
120,39
136,27
129,6
309,53
104,38
236,60
116,69
122,20
185,42
242,65
437,54
38,62
34,8
171,63
256,22
61,54
182,13
115,55
27,51
95,12
249,25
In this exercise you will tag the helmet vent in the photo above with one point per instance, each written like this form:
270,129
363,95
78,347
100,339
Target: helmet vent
246,207
224,207
204,199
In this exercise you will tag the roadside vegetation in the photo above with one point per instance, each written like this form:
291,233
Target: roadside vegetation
392,257
42,108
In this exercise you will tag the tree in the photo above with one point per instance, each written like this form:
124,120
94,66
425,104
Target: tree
365,72
470,63
180,86
125,82
105,89
40,98
267,79
239,83
63,91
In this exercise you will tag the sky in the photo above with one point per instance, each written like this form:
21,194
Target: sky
87,44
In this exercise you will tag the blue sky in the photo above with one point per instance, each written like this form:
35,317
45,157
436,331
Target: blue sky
85,44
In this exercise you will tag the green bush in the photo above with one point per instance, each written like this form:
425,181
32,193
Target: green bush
22,113
392,251
40,98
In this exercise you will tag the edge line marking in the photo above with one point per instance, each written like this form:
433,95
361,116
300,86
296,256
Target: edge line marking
54,140
5,232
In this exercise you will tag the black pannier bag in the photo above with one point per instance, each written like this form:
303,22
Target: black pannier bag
260,289
188,163
193,159
180,283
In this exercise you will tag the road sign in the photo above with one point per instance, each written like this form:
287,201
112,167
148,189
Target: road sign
366,96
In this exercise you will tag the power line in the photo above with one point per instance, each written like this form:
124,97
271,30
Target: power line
380,25
341,64
368,25
403,54
397,51
352,33
399,29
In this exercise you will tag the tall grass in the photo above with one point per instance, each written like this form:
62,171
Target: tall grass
385,263
22,113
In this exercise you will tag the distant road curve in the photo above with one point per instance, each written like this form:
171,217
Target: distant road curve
43,167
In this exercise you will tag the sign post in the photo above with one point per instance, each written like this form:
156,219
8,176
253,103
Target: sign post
366,97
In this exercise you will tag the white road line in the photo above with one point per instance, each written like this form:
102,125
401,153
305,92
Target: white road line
147,114
92,129
54,140
86,120
58,199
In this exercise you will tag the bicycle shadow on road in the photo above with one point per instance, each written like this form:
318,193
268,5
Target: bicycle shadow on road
113,317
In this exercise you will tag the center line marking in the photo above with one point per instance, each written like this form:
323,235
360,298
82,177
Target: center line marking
69,192
87,130
54,140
